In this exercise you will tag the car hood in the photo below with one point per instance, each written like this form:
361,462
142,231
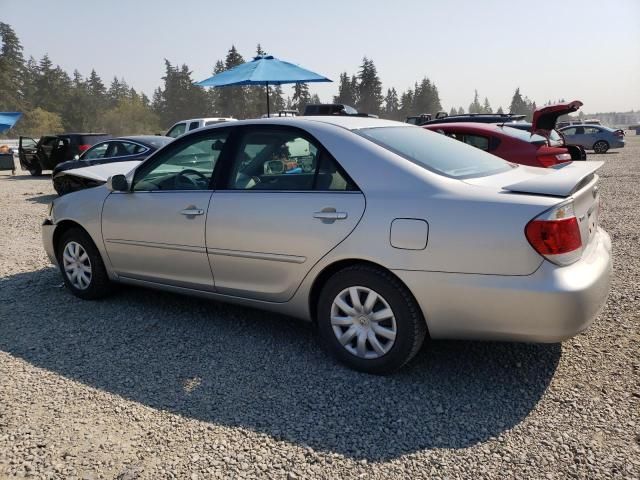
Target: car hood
545,118
102,172
559,181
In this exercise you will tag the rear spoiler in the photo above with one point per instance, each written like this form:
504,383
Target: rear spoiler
560,181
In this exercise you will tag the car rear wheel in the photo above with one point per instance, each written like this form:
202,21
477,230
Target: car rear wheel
369,320
600,146
81,265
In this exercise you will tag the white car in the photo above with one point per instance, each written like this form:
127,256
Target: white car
184,126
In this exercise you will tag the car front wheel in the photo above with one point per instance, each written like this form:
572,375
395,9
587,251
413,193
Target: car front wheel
81,265
600,146
369,320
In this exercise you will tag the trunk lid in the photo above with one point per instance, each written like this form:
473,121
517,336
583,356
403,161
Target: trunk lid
574,182
545,118
561,180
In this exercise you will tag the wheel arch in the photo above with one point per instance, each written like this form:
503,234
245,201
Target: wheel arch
326,273
64,226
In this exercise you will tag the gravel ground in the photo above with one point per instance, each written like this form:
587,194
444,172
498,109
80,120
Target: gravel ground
151,385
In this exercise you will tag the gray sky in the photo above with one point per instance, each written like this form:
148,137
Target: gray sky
574,49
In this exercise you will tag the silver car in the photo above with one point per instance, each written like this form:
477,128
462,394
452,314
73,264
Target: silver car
379,232
593,137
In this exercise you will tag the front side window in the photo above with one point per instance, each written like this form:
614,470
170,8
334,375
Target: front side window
569,131
436,152
177,130
284,160
97,151
189,166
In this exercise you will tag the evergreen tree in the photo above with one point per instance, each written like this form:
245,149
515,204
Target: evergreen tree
180,98
500,110
369,88
453,111
475,106
232,101
301,97
346,91
118,91
486,108
461,111
11,70
392,105
518,105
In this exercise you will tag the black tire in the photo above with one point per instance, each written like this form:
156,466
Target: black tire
601,146
36,171
99,284
411,328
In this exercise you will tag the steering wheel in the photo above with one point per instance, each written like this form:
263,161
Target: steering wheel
190,181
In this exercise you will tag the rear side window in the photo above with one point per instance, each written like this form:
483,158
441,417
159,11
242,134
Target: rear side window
285,160
194,125
477,141
591,130
436,152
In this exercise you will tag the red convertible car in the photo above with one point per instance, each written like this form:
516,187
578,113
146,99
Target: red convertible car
542,146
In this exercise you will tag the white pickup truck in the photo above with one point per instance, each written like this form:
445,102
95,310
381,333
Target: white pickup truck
184,126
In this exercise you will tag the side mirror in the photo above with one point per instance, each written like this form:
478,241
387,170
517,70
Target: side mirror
118,183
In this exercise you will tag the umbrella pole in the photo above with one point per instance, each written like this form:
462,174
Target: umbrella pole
267,84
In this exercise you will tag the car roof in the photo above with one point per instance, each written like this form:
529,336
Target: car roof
466,125
142,138
345,121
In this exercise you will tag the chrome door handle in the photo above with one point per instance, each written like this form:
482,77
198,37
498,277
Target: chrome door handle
192,211
330,215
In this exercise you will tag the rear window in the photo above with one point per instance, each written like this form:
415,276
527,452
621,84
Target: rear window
436,152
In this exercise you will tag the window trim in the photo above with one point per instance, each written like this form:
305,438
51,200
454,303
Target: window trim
177,144
222,180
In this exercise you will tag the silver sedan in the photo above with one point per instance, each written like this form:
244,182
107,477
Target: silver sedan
379,232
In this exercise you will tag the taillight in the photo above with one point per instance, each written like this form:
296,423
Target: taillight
549,160
83,148
619,133
556,235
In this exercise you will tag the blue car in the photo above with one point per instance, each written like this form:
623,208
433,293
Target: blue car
593,137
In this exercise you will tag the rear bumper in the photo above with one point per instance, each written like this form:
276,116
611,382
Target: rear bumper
550,305
617,144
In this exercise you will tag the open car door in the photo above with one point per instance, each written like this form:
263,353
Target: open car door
28,155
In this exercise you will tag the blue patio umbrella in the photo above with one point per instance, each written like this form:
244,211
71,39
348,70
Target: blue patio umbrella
8,120
263,70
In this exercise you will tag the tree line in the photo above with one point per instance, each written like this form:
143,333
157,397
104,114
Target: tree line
54,101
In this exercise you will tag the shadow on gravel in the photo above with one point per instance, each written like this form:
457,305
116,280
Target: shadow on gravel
28,176
43,199
240,367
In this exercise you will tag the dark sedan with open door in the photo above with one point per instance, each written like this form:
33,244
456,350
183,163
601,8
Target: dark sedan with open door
85,171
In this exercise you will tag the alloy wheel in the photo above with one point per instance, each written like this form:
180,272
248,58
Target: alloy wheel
77,266
363,322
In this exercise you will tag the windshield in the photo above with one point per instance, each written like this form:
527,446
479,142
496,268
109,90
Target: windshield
436,152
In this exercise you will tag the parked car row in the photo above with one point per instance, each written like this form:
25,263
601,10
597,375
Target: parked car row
454,242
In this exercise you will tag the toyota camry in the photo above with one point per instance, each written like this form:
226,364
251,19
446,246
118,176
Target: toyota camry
379,232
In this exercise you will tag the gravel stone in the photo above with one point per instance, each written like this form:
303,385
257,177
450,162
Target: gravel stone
149,385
